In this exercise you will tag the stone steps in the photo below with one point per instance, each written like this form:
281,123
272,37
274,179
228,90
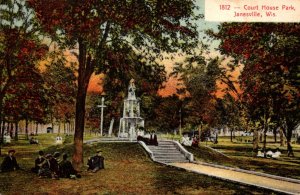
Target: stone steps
167,152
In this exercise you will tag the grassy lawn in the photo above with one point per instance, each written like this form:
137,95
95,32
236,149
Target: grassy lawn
240,155
128,170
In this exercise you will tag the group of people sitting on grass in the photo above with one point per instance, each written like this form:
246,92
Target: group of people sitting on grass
50,166
269,153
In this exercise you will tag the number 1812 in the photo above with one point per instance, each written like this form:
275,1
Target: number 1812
224,7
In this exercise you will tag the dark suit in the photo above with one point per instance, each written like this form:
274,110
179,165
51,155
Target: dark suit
66,169
9,164
38,163
96,163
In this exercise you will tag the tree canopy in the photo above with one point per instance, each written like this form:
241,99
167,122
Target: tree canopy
97,27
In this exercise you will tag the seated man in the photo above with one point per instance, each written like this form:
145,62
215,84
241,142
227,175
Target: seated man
58,140
9,162
195,142
269,154
96,162
186,141
66,169
276,154
33,141
38,162
260,154
44,170
54,166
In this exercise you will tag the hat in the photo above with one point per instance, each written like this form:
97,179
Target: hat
48,155
56,154
65,156
12,150
98,151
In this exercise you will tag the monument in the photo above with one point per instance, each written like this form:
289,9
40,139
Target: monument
131,122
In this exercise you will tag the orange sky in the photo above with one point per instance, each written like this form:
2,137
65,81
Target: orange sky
170,85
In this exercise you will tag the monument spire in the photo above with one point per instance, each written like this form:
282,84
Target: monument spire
131,90
131,121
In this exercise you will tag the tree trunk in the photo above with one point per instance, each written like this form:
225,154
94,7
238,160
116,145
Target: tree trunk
199,133
79,128
85,70
255,141
52,125
11,129
69,128
281,136
265,141
265,127
36,128
1,134
58,131
64,127
231,131
291,124
16,130
275,134
8,129
2,131
290,151
26,130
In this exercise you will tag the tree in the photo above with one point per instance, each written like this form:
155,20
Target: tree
26,97
20,45
270,54
94,27
166,113
199,77
229,112
60,81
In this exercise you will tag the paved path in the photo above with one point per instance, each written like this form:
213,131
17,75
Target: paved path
276,183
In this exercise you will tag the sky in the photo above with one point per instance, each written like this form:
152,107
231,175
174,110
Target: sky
170,85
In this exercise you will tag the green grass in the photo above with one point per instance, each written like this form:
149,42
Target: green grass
128,170
240,155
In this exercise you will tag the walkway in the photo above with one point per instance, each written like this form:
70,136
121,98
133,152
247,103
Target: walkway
262,180
279,184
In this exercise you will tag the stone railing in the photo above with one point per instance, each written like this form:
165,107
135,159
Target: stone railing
147,149
187,154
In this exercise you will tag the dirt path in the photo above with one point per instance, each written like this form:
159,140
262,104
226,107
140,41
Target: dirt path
246,178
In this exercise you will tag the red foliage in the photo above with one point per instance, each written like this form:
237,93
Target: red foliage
25,97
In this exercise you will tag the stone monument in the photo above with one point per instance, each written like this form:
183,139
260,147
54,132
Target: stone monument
131,122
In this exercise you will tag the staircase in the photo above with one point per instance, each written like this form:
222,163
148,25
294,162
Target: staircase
167,152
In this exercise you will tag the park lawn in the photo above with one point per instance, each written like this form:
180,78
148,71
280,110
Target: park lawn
128,170
240,155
